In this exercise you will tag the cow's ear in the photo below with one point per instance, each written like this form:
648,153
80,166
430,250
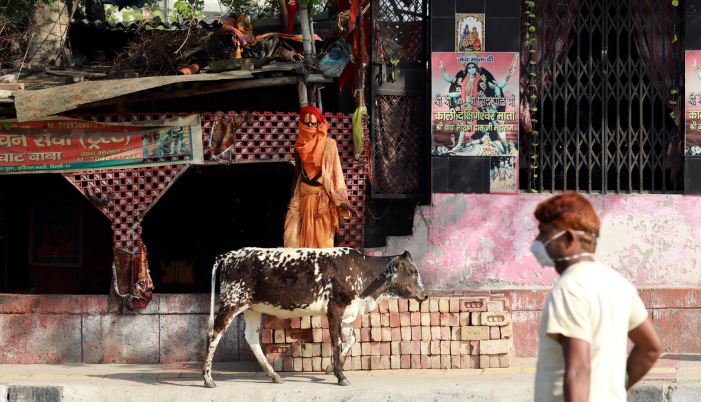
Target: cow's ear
406,254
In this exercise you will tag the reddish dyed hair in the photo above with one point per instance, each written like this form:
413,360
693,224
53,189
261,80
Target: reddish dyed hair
569,211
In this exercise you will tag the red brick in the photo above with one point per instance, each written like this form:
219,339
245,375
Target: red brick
464,319
413,305
348,364
435,333
307,364
316,364
444,305
375,362
405,319
447,320
287,364
326,349
494,347
267,336
425,347
455,362
405,347
424,307
494,333
426,333
365,362
493,306
435,319
386,334
316,321
465,362
435,361
496,318
507,332
403,305
455,333
356,363
279,336
445,333
406,333
385,349
484,361
375,319
475,319
385,363
493,361
425,319
356,350
375,348
415,347
433,305
394,346
366,348
384,306
435,347
445,347
318,335
306,322
470,304
275,323
393,305
384,320
464,347
416,333
445,362
396,334
474,333
474,348
455,348
394,320
295,322
394,362
425,362
296,350
326,337
297,363
405,361
376,334
365,321
358,323
364,334
507,360
454,305
415,319
416,361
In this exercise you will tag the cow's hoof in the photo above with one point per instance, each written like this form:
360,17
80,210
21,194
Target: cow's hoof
329,369
210,384
344,382
278,380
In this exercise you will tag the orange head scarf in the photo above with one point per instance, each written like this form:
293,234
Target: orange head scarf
311,141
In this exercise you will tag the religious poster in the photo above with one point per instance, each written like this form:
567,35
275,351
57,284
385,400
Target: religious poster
69,144
692,109
469,32
503,175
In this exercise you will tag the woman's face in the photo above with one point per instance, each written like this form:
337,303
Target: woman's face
310,120
471,69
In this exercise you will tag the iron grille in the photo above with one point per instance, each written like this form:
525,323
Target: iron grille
398,96
604,124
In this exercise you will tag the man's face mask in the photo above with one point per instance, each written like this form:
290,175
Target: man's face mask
541,253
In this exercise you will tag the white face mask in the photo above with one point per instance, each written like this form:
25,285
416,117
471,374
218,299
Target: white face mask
541,253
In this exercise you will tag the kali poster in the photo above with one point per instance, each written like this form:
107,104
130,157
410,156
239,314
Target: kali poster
692,110
69,145
475,109
469,32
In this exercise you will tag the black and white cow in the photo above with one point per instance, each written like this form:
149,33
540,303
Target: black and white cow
340,283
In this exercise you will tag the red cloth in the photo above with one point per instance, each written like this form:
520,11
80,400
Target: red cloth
291,13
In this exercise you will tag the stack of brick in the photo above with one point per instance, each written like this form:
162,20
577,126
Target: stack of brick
439,333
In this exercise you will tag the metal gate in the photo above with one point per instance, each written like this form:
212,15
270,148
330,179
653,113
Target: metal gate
605,105
398,92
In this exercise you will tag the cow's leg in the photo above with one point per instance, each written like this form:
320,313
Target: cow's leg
252,334
225,316
347,332
335,315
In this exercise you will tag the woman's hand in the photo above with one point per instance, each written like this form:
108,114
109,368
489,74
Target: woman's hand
348,209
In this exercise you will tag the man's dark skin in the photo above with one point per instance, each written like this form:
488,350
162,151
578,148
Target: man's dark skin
576,352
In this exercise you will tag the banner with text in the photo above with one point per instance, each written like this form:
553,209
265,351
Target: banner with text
692,109
69,145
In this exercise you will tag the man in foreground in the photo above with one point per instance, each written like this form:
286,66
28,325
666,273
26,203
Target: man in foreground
590,314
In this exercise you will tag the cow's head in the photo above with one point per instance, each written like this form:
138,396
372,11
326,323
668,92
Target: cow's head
405,278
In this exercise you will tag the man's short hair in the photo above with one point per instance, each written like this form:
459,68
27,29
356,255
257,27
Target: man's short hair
569,211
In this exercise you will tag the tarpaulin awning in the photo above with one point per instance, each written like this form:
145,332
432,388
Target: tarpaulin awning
32,105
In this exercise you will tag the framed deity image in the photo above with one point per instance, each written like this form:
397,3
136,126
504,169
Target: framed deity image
469,32
56,234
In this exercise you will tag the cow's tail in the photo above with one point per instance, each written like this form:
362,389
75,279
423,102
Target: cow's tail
210,322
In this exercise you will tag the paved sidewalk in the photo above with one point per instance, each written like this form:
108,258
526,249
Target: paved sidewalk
675,378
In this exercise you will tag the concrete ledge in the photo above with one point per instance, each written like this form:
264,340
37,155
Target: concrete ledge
35,393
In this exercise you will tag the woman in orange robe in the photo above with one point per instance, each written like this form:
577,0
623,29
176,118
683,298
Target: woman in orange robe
320,197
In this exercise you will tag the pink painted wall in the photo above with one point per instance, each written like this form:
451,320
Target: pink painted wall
471,241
